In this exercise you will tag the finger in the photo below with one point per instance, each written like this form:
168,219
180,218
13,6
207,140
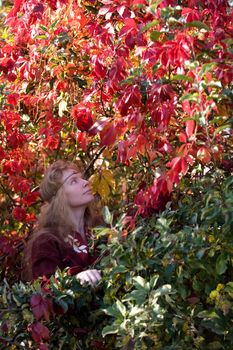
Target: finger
97,275
91,276
82,277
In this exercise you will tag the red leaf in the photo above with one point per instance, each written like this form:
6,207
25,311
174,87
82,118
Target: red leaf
42,346
21,184
190,14
182,137
131,97
82,140
98,126
19,214
139,2
108,135
39,331
204,155
13,99
190,126
103,10
130,22
40,307
2,153
15,9
99,69
31,198
83,117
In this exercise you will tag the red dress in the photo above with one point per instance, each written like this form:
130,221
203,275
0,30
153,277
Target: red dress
49,253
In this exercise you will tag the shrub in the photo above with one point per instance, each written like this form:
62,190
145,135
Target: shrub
171,282
168,284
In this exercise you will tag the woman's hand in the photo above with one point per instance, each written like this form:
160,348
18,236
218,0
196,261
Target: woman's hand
90,276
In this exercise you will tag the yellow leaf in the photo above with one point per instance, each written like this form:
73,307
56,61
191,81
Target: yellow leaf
103,189
94,181
108,176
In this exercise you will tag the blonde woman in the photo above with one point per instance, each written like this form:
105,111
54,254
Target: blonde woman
61,238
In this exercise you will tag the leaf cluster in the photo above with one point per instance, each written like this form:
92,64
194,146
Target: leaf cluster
168,284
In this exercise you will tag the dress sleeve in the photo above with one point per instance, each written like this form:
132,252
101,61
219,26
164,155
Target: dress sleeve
45,256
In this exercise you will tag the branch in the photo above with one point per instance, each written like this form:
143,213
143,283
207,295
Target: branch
93,160
102,102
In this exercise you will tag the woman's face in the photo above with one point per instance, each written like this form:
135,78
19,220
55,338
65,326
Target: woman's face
77,190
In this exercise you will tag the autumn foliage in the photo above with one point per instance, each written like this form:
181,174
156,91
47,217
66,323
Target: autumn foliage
137,92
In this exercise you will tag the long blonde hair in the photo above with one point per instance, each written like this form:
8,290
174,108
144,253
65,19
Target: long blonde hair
55,215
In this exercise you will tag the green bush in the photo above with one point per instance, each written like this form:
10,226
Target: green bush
171,282
168,284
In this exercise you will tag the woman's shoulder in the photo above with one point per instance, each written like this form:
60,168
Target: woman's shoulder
46,237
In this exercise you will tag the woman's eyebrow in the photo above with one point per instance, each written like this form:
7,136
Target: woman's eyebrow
73,176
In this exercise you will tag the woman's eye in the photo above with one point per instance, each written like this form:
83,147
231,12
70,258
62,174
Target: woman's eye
73,181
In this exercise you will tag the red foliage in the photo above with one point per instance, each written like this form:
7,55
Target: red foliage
38,331
41,307
149,82
83,117
19,213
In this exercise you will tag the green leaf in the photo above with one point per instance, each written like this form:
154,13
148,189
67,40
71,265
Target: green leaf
165,289
206,68
121,307
215,345
181,77
229,287
221,264
135,311
221,128
43,28
42,36
107,216
154,36
154,281
154,6
197,24
207,314
113,329
119,269
150,25
54,23
193,97
141,283
115,310
138,295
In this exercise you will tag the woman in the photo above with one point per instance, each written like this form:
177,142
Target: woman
61,239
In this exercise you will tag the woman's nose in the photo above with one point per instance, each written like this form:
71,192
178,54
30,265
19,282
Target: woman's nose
85,183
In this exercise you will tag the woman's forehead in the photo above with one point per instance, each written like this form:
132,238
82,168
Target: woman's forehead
69,173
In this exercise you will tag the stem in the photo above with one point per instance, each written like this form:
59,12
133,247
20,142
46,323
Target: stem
58,147
7,193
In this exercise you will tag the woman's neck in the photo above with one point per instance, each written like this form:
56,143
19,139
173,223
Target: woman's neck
77,216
